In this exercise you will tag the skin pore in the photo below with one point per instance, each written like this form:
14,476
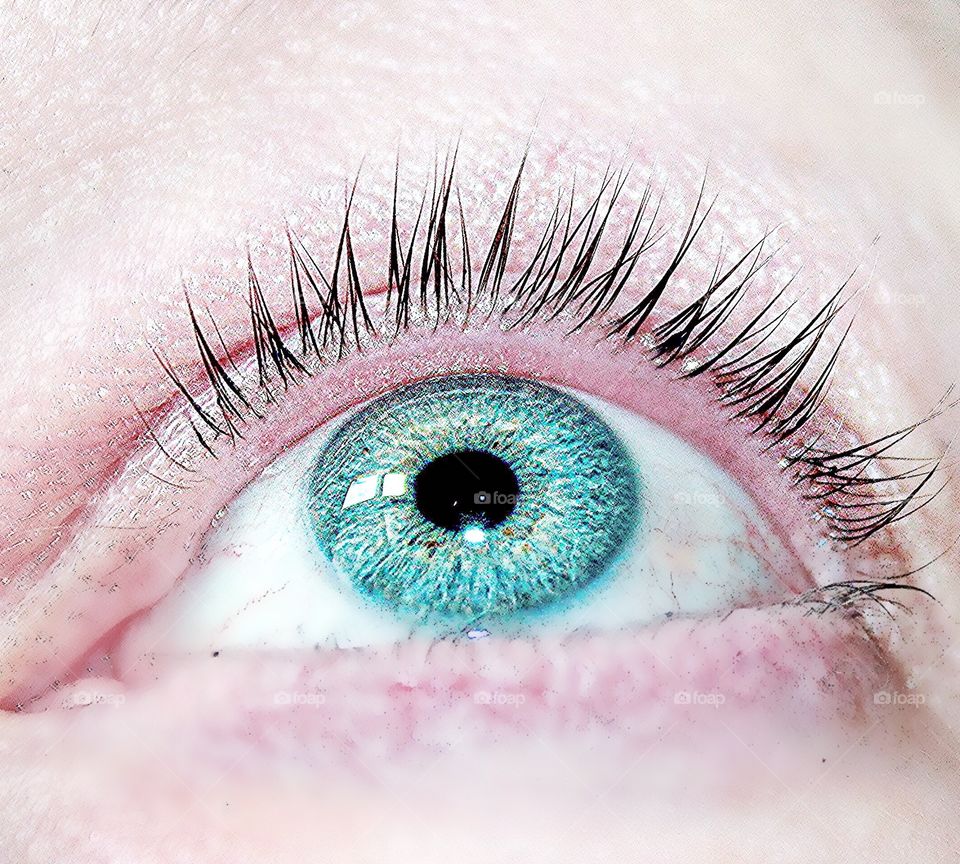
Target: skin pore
152,147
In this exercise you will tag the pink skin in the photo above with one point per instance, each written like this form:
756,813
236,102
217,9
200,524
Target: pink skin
161,146
325,710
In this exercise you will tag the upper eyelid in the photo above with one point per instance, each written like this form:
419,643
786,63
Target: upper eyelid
134,434
779,383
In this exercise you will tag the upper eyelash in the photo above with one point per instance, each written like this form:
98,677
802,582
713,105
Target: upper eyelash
761,381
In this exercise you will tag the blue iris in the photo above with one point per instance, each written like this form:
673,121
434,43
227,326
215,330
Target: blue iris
472,496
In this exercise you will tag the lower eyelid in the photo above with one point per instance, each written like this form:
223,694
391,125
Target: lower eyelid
768,673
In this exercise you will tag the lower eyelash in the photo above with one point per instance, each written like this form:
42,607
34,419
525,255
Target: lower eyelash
430,281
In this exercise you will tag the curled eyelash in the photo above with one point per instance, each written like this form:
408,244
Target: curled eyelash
852,597
768,370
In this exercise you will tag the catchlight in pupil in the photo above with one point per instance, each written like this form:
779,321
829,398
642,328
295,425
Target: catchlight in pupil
465,488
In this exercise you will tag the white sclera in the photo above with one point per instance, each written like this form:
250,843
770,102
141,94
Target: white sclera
702,547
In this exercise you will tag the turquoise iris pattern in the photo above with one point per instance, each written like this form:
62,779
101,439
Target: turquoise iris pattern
472,496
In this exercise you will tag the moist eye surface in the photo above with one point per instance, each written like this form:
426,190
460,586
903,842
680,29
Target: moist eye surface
471,496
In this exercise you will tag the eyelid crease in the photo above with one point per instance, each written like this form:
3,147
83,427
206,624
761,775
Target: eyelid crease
762,380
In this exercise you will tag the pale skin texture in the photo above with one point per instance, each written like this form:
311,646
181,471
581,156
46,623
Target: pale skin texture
145,146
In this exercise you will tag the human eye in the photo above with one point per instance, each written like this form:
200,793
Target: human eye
668,457
215,266
475,506
574,482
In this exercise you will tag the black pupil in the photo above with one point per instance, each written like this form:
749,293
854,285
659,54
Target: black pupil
467,487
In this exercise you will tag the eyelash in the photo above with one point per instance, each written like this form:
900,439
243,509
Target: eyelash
757,383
